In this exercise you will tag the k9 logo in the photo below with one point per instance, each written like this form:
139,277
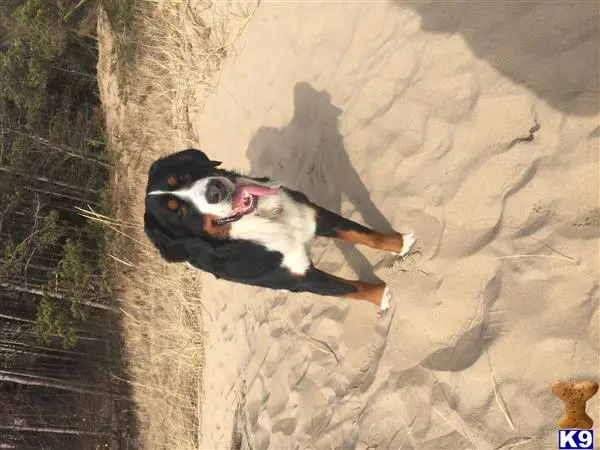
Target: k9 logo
575,439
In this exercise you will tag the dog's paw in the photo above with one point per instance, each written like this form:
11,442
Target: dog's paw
408,240
386,299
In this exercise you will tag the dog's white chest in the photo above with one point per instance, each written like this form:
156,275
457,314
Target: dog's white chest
280,224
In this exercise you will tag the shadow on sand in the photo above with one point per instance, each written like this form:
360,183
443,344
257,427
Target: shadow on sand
551,47
308,154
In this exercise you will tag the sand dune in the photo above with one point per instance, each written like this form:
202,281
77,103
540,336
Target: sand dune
474,125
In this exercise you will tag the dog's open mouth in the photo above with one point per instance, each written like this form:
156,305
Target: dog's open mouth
243,201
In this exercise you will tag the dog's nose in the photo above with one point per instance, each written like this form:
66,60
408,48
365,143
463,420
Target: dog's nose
215,191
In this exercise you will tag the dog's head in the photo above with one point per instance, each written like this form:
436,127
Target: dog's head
191,202
172,220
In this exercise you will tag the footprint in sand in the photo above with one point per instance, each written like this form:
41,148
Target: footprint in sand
448,330
473,214
584,226
404,393
468,343
285,424
255,398
541,215
262,431
279,394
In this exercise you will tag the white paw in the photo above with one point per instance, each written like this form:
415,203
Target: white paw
296,260
386,299
408,240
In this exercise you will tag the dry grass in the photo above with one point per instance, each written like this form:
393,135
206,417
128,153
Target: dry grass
179,47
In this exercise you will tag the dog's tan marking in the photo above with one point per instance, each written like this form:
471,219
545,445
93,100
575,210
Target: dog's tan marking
369,292
388,242
216,231
172,181
173,204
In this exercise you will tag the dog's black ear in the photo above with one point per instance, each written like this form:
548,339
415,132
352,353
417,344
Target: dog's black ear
177,250
162,240
197,156
190,156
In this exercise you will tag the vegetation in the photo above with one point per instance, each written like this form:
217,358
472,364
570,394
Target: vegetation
121,16
60,341
62,378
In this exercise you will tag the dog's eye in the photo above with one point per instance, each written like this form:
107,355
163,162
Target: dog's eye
172,204
172,181
183,210
186,177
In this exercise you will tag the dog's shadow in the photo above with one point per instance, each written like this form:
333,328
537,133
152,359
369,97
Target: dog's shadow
308,155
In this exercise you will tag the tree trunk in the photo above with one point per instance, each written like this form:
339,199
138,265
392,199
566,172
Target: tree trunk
61,195
16,319
14,351
38,347
41,293
25,380
61,148
67,16
12,171
28,376
54,430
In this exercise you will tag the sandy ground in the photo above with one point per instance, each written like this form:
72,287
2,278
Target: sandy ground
474,125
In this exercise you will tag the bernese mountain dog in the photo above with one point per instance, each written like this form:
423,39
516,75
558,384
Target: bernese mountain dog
251,230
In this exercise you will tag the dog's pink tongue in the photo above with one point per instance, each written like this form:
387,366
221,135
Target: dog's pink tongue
239,198
259,191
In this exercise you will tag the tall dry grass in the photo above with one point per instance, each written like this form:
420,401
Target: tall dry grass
179,49
148,96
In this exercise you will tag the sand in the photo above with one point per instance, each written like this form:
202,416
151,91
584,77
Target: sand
473,125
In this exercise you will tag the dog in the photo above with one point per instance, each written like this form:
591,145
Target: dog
252,231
